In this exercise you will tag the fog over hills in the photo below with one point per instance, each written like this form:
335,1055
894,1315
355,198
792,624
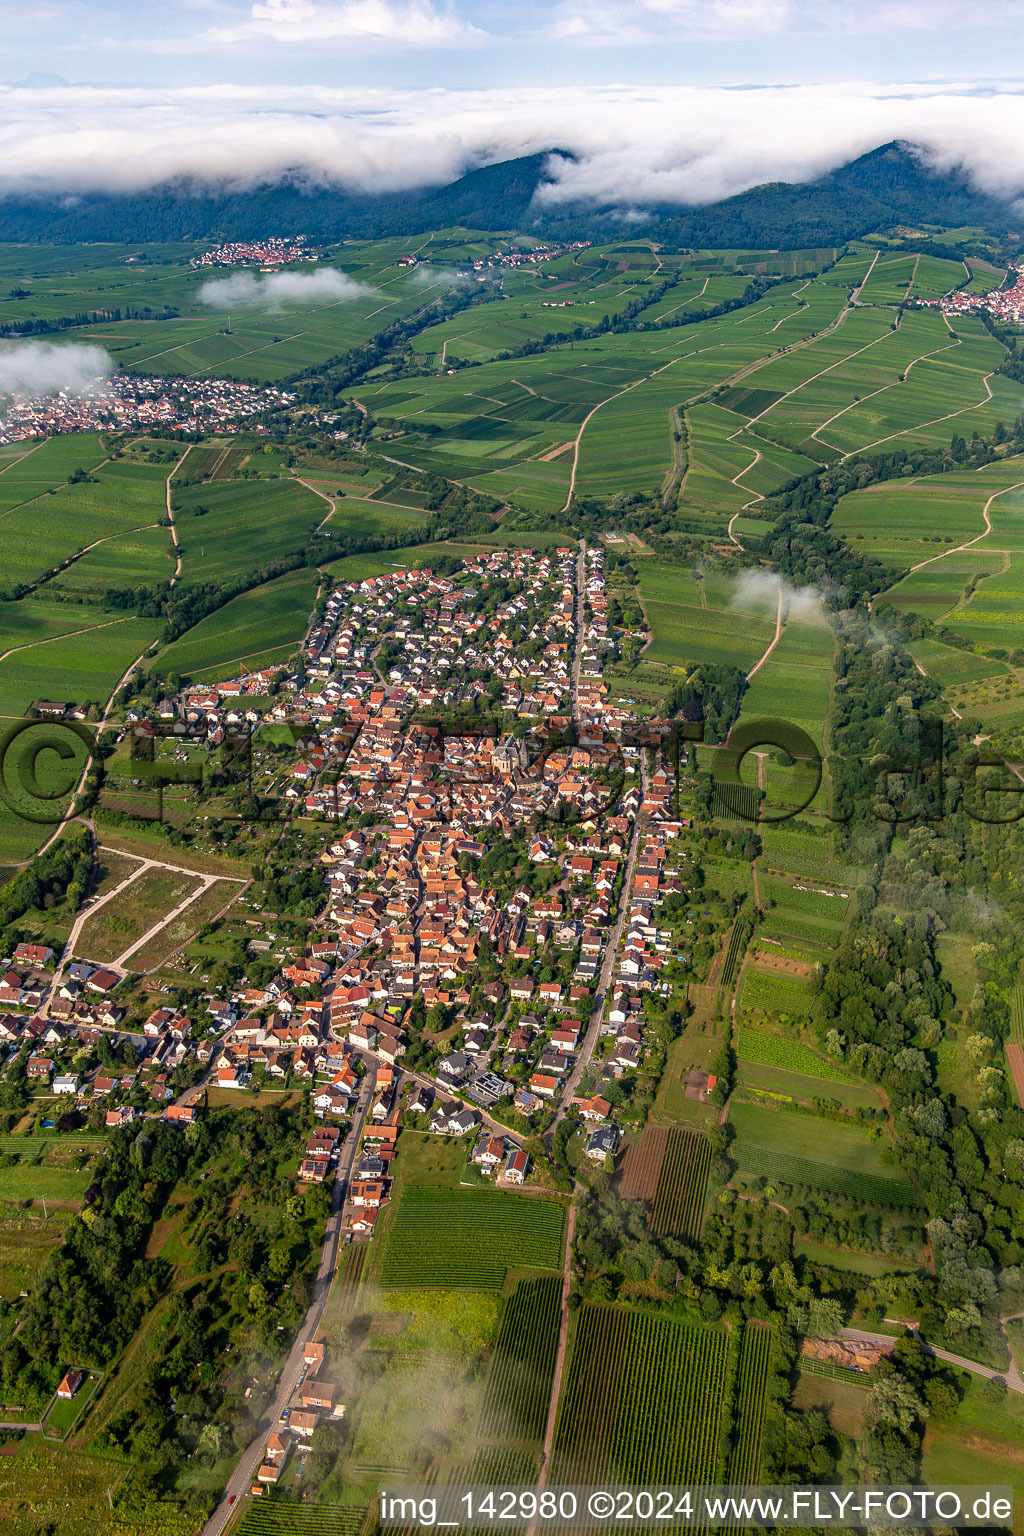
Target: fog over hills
888,185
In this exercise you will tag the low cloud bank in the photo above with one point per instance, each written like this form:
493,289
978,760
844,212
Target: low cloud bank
246,290
758,592
38,368
632,148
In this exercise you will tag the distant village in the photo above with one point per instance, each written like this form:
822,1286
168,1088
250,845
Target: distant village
1001,303
130,403
515,257
268,254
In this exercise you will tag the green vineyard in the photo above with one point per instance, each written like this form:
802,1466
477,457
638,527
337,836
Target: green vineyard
519,1382
466,1240
274,1517
678,1206
643,1400
734,954
889,1194
751,1380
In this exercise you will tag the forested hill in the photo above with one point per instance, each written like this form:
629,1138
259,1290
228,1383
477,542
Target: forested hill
890,185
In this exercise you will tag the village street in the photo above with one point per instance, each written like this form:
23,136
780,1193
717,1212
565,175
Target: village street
593,1033
241,1479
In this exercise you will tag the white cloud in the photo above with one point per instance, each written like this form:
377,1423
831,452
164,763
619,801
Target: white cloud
602,23
759,591
244,290
34,368
635,146
410,23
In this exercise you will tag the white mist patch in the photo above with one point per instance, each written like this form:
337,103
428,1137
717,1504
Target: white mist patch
247,290
759,591
38,368
426,276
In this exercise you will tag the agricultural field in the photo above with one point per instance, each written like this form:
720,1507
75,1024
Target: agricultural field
255,630
807,914
40,534
889,278
751,1382
255,343
522,1366
793,686
822,1155
279,1519
68,1490
668,1170
872,380
468,1239
691,623
767,997
422,1345
907,522
776,1050
231,528
356,517
26,1240
949,666
629,1376
36,468
71,667
51,1167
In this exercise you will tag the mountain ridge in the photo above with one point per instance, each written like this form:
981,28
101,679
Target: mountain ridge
888,185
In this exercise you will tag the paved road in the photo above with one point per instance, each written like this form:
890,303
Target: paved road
1010,1375
577,657
251,1459
604,979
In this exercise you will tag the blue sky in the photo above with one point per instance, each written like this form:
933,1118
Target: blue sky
690,98
412,43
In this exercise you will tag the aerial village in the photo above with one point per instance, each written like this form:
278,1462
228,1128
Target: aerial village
1006,303
436,989
131,402
267,254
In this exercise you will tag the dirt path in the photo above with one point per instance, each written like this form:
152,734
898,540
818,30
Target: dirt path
977,538
85,912
1010,1375
892,384
839,363
90,629
680,466
330,500
205,882
81,918
563,1337
949,416
855,295
779,626
593,412
170,514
